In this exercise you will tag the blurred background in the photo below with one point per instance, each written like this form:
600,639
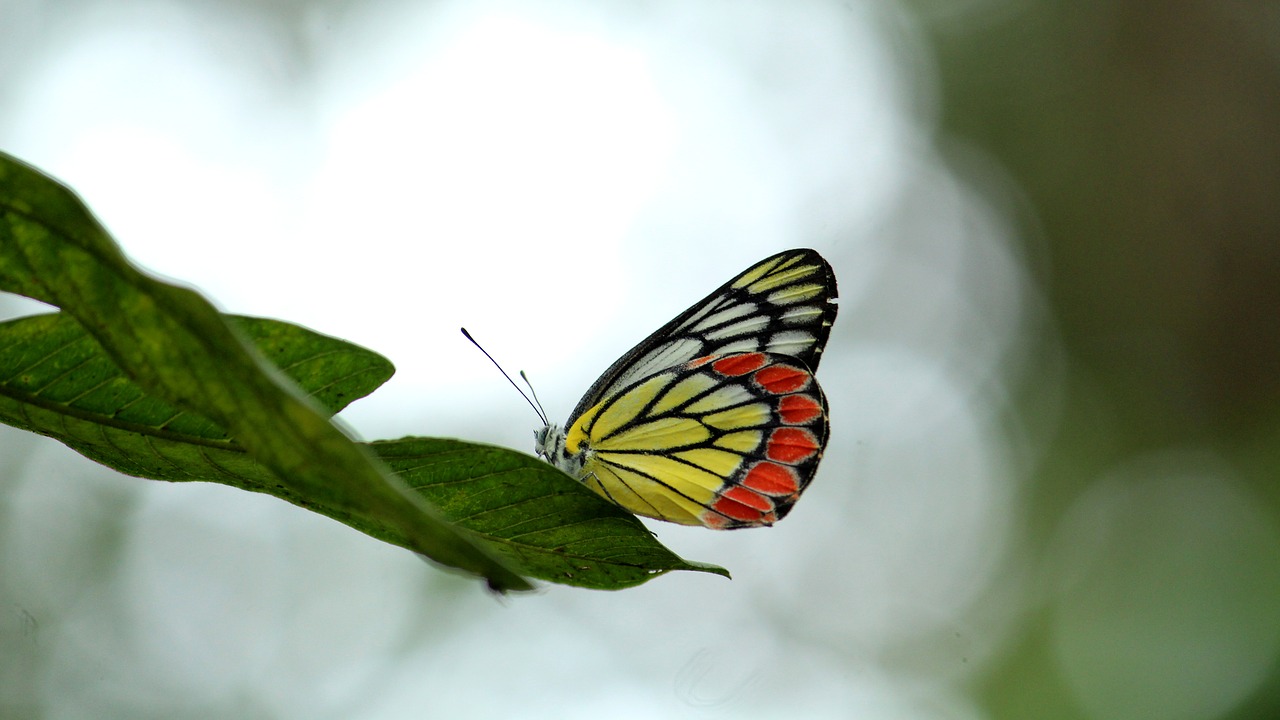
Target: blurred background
1051,487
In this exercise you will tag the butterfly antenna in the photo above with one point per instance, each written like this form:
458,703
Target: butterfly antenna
537,408
542,413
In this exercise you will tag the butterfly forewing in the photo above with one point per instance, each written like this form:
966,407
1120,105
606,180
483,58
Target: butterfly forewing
725,441
784,304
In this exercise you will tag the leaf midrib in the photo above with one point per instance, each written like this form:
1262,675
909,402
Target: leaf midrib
112,422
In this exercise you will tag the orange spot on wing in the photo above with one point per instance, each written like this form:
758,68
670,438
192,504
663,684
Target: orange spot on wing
791,445
740,506
798,409
735,510
749,498
736,365
771,479
779,379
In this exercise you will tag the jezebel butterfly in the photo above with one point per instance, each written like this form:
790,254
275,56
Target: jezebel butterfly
716,419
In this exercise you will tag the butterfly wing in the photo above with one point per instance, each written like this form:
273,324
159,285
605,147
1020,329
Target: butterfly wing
784,304
725,441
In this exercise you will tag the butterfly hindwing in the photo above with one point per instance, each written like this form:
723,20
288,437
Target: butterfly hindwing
725,441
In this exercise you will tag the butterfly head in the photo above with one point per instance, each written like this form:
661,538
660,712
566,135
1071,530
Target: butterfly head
549,443
546,440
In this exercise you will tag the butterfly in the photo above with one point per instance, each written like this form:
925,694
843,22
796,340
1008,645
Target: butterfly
716,419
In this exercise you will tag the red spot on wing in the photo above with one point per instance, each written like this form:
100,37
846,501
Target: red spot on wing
751,499
791,445
780,379
772,479
699,362
740,507
735,365
735,510
798,409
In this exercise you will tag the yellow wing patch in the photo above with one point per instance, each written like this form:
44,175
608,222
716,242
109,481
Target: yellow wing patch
619,411
744,416
633,491
682,392
666,432
725,396
744,442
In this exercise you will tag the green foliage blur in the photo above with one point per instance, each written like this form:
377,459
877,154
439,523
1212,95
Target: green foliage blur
1146,138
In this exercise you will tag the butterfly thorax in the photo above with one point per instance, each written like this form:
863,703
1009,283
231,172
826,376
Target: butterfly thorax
549,442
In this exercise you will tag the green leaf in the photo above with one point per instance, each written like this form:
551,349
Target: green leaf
177,347
55,380
542,520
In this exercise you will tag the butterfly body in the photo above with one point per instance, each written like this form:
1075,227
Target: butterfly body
716,418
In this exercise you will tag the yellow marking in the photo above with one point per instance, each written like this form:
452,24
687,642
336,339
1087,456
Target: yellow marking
755,274
724,396
718,462
623,409
577,434
682,392
694,482
790,275
744,441
796,294
656,435
753,415
643,496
